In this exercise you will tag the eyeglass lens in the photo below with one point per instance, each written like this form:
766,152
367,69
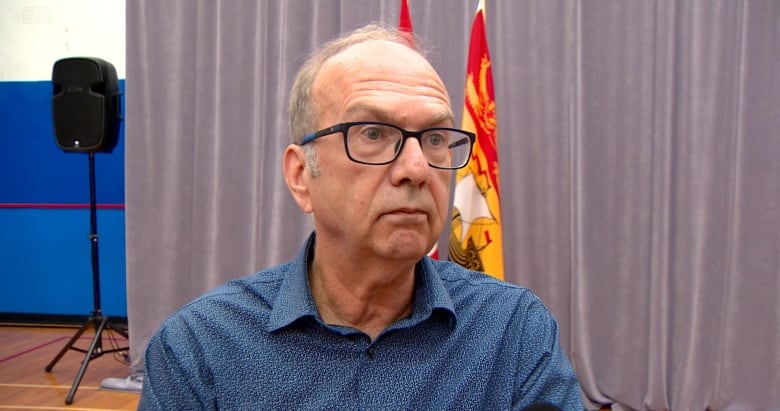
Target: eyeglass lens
381,143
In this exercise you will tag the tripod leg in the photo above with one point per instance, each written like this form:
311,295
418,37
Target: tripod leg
97,342
68,345
117,329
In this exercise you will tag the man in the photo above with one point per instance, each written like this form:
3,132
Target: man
361,318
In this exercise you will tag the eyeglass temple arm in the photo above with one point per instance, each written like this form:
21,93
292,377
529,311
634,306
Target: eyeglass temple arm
460,143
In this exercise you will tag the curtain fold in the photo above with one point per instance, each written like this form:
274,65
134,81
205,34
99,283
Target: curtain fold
639,159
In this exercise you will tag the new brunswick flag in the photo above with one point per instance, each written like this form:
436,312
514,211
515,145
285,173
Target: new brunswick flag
475,239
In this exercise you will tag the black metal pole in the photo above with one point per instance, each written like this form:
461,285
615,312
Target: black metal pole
97,320
93,236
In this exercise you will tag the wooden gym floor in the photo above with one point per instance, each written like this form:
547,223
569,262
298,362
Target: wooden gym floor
25,351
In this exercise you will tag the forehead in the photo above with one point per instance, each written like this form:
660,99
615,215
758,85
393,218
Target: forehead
363,52
379,75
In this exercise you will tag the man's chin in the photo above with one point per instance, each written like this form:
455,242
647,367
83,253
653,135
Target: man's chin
407,247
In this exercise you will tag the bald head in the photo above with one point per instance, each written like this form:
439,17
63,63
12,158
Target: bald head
302,110
377,80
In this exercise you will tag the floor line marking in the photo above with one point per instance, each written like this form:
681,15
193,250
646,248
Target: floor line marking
15,385
29,350
34,407
56,340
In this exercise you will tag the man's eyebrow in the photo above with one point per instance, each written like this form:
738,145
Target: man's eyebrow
364,110
376,114
442,117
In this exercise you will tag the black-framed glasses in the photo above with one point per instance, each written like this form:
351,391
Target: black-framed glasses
375,143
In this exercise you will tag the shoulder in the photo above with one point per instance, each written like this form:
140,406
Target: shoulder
511,323
476,295
461,281
248,298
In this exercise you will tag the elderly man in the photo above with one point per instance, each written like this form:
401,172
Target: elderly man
361,318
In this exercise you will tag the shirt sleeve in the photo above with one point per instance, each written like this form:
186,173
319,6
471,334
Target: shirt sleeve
545,375
175,378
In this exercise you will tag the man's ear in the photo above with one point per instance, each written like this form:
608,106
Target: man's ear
297,177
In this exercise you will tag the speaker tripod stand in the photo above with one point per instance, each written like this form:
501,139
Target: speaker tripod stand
99,322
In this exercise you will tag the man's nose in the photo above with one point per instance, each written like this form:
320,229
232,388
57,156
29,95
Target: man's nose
411,163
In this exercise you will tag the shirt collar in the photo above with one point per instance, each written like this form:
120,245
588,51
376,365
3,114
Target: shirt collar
294,300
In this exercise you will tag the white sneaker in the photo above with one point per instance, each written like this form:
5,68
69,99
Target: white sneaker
133,383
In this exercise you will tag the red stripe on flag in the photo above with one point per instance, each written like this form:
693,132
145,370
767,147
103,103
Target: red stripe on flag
405,23
405,19
478,50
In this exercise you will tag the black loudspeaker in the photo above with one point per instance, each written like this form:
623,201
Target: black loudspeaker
86,104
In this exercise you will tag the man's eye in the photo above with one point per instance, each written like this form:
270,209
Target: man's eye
372,133
436,139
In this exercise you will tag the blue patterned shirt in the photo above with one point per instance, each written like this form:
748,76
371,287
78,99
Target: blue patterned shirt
471,342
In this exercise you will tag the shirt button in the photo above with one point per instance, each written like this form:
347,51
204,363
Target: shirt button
371,352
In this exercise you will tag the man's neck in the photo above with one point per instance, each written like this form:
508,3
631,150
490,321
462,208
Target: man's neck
362,297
